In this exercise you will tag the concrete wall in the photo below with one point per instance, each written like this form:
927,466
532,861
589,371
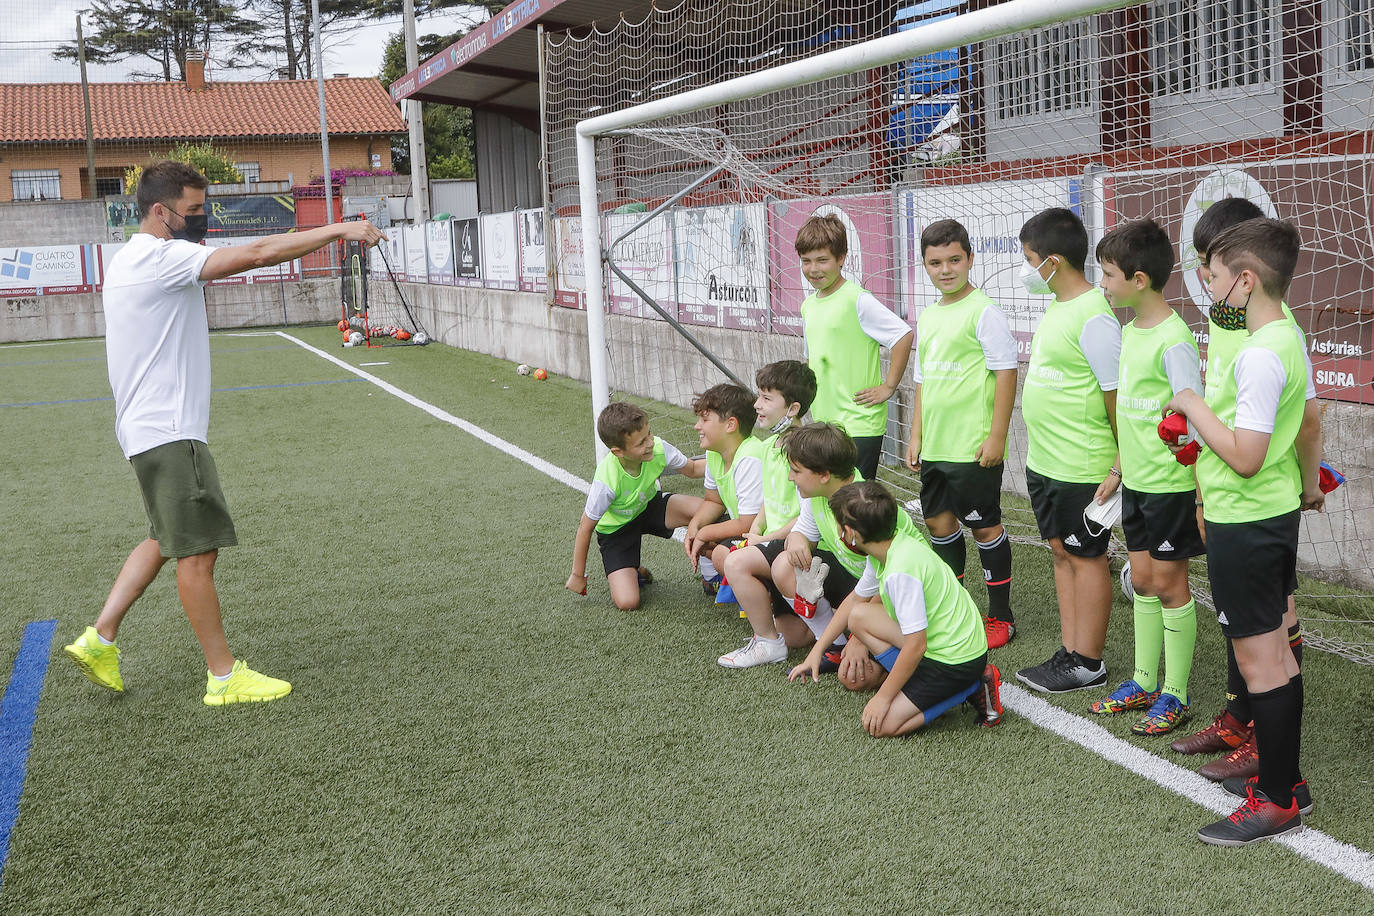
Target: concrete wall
52,222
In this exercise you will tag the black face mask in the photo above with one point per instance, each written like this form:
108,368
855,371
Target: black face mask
194,226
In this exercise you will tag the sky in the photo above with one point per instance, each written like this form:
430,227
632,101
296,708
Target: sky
30,30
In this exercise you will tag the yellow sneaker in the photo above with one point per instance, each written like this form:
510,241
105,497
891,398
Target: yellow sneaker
96,660
243,686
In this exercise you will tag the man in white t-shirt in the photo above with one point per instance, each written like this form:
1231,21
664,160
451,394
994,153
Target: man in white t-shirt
157,343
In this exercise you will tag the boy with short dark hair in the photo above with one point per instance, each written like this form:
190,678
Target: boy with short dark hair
925,630
845,329
624,503
734,477
1231,732
965,389
1159,359
1069,406
1254,481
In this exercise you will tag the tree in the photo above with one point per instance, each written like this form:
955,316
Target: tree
449,135
163,31
218,167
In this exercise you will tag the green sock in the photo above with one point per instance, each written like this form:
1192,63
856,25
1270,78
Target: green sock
1149,639
1180,635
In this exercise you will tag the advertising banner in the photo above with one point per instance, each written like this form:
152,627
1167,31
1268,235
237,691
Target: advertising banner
721,260
868,224
439,252
46,271
260,214
290,270
500,251
417,261
533,258
570,279
644,259
467,252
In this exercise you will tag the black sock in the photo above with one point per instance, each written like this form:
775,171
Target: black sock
1092,664
1297,760
1237,697
953,551
996,559
1295,641
1278,733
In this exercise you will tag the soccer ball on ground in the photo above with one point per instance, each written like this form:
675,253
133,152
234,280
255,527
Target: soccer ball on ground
355,338
540,374
420,338
523,369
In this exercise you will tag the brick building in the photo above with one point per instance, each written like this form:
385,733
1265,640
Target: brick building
270,128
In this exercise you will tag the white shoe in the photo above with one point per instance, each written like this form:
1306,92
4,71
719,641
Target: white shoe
759,651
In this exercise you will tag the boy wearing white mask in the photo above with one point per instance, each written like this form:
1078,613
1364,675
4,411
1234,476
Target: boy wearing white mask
1069,405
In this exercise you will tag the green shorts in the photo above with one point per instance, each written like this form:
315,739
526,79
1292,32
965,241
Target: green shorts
187,514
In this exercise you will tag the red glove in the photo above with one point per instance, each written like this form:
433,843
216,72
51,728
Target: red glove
1328,478
1173,429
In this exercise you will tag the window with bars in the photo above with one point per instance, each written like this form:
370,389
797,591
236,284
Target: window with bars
1213,44
251,171
1359,35
1174,47
1044,71
35,184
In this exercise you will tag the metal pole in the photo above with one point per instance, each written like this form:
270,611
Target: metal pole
419,169
596,294
550,254
324,119
86,103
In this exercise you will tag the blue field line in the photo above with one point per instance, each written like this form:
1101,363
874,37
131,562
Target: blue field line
17,712
332,381
100,359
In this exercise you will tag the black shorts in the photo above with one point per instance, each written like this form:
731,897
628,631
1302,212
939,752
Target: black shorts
934,681
870,453
839,582
1058,508
1165,524
966,488
620,548
1251,566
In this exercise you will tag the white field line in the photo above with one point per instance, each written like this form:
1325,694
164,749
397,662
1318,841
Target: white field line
1348,861
515,451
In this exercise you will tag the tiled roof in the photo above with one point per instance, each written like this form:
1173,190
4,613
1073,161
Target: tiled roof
39,112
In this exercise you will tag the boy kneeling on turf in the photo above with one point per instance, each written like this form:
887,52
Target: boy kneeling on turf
926,632
625,504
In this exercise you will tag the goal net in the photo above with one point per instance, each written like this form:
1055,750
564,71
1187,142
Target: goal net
378,321
711,130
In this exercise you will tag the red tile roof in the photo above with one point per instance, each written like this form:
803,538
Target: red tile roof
47,112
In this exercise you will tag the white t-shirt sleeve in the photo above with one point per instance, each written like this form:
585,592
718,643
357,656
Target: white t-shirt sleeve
868,582
1182,368
598,500
806,523
748,473
1101,344
180,262
1307,361
709,482
994,335
908,598
1260,378
880,322
676,460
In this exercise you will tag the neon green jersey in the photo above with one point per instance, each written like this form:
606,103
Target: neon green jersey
1155,363
1275,489
919,592
846,358
781,503
740,487
818,525
959,346
616,496
1222,346
1074,358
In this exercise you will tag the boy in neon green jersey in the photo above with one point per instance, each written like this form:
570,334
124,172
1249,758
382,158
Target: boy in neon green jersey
1069,405
734,476
1231,731
786,390
924,630
965,389
625,504
1254,479
845,329
1158,359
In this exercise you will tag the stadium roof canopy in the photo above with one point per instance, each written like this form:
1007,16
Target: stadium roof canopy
496,65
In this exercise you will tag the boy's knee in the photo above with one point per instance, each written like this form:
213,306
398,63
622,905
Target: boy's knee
862,615
784,574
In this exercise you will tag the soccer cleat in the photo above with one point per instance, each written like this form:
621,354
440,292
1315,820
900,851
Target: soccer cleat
1243,761
96,660
999,632
645,577
1240,788
1223,734
243,686
830,661
1257,819
1062,674
987,699
711,586
758,651
1127,696
1164,716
